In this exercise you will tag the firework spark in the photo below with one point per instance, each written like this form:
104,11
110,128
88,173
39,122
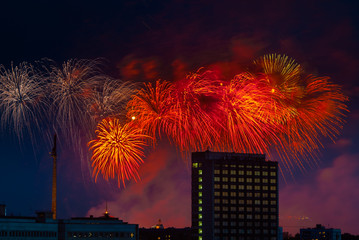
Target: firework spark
110,99
21,97
117,151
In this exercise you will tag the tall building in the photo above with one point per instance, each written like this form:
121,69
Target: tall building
234,196
320,233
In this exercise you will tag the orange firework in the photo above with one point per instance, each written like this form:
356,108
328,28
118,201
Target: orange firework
306,107
245,129
150,109
117,151
196,101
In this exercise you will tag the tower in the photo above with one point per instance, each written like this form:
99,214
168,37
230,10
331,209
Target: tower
54,177
234,196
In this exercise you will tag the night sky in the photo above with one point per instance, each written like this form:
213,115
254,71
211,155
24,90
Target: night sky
143,41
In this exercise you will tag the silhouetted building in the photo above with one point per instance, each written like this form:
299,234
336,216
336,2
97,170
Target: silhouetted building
320,233
234,196
165,234
43,226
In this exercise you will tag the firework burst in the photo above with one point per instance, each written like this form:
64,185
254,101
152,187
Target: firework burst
70,89
117,150
21,97
150,109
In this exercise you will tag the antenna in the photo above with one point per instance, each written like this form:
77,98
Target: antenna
54,186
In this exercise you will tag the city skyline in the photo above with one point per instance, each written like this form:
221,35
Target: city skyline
130,39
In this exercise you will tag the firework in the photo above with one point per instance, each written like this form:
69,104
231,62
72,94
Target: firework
117,150
195,103
70,89
110,99
21,97
307,108
150,109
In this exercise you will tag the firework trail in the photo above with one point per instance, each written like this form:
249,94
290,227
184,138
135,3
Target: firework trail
21,97
150,109
110,99
195,100
70,89
117,150
307,108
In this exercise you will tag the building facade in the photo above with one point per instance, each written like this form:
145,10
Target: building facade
234,196
44,227
320,233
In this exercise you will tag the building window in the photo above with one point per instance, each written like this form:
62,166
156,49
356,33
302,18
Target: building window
195,165
200,179
200,172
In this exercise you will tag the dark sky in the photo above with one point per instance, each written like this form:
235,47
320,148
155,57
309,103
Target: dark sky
146,40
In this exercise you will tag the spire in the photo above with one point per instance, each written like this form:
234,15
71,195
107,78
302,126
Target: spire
54,176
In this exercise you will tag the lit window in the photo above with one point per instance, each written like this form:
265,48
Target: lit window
200,216
216,171
225,194
200,194
249,187
249,173
200,201
224,171
257,173
273,202
225,186
264,180
233,187
233,194
195,165
273,174
233,172
240,172
225,179
200,186
217,186
200,208
273,188
257,188
233,179
217,209
217,193
257,180
265,173
249,180
265,187
200,223
200,231
240,179
200,179
273,181
217,179
200,172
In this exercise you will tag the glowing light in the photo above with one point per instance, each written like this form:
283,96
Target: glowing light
117,151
